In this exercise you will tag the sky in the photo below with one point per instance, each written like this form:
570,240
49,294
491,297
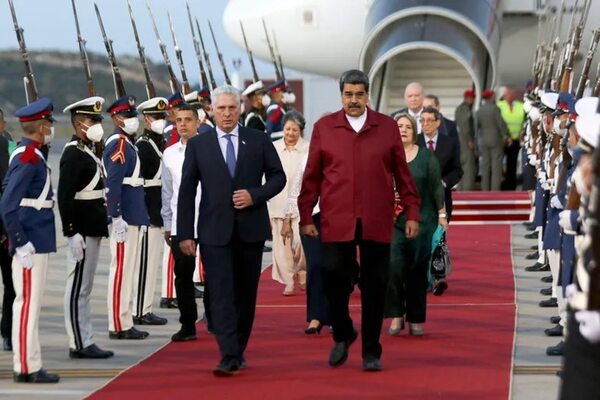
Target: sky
49,25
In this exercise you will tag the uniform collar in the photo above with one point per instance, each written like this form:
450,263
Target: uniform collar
25,141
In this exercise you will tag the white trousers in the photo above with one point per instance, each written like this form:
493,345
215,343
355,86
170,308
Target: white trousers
284,266
554,262
149,262
80,281
29,287
123,268
167,289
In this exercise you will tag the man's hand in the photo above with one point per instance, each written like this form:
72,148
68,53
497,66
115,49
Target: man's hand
309,230
411,230
119,229
471,145
286,230
188,247
76,246
589,325
25,255
168,238
509,142
242,199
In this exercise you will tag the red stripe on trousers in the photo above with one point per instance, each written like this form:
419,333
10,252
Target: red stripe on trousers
117,287
24,320
170,273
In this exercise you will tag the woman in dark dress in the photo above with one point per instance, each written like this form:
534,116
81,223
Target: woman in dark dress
410,259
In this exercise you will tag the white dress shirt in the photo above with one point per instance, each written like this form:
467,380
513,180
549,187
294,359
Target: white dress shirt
235,134
417,117
434,139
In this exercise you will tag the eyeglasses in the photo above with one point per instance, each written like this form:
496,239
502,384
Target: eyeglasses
427,120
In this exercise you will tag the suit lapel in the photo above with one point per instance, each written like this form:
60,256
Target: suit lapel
242,140
217,151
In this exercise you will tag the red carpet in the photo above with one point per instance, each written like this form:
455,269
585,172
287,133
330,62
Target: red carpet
465,354
490,207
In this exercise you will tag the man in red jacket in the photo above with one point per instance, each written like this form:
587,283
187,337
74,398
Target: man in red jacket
355,157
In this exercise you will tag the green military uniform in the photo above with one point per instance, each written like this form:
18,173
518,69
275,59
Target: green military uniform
463,116
492,133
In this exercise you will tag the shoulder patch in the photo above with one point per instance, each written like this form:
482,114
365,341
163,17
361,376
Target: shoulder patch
119,154
29,156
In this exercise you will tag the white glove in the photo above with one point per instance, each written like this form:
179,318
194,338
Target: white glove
119,229
25,255
570,292
532,160
564,220
541,175
589,325
143,229
555,203
76,246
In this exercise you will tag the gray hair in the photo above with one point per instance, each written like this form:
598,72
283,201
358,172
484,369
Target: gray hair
411,85
296,117
225,89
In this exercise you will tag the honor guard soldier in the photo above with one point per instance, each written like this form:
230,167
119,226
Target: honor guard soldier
174,101
275,109
29,220
254,118
127,210
83,213
150,150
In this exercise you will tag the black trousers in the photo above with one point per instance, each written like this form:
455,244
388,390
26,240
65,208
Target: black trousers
232,275
510,177
581,367
9,292
184,287
317,306
339,259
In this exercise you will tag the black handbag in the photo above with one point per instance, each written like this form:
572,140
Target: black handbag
440,260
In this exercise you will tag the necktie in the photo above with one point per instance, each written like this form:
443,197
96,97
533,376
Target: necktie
230,155
430,146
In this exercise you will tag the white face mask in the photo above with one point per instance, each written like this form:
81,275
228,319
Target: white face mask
556,125
289,98
158,126
48,138
266,100
131,125
94,132
534,114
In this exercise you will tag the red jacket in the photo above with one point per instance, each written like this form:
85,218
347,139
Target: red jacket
351,175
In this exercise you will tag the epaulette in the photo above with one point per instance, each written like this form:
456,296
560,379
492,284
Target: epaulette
119,154
29,156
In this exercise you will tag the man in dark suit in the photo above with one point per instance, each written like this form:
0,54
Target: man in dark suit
5,257
233,221
447,127
355,195
446,150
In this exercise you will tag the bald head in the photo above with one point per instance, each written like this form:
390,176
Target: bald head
413,96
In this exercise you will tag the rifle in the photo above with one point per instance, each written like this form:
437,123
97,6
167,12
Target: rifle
31,93
278,57
249,52
186,84
277,72
150,90
206,59
227,81
117,79
583,79
173,82
596,90
84,57
203,78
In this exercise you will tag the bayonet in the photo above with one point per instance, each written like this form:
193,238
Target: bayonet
150,90
84,57
203,78
249,52
206,59
583,78
31,93
278,54
212,33
173,81
117,79
277,72
186,84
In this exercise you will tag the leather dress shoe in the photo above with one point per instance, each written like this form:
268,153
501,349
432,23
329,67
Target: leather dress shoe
92,351
538,267
243,363
546,291
396,331
198,292
557,350
149,319
227,367
415,329
532,256
166,302
555,319
556,330
551,302
7,344
439,287
339,351
546,279
41,376
131,333
532,235
184,336
314,330
371,364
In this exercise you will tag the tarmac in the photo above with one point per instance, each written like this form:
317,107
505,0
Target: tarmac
534,374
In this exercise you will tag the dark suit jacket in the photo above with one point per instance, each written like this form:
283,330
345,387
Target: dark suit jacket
447,152
217,218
